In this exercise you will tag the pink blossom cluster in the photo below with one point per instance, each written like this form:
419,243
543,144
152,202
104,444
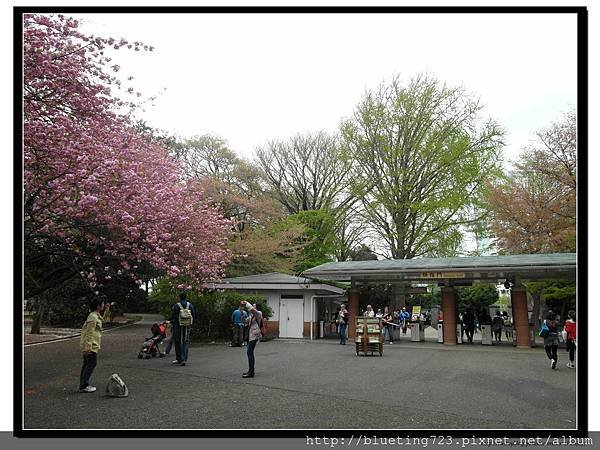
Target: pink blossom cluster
90,177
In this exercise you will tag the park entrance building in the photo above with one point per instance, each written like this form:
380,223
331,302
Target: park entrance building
448,273
300,305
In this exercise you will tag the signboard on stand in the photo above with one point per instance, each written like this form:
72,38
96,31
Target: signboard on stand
416,312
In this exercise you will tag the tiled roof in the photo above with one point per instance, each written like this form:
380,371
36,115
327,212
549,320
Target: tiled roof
269,278
480,266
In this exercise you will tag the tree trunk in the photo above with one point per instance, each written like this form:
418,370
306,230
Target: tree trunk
38,316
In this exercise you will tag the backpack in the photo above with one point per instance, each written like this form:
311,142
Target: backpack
263,327
185,315
116,387
544,331
552,328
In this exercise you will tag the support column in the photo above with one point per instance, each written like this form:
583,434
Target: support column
352,312
449,310
518,296
398,299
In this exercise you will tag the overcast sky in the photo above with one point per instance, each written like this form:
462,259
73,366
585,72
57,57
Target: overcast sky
523,68
253,77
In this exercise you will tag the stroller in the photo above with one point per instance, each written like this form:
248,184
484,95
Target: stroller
151,346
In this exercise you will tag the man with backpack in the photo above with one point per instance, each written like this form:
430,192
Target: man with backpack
182,317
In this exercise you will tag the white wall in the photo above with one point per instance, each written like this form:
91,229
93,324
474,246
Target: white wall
274,296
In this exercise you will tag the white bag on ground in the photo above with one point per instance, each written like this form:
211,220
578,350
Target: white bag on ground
116,387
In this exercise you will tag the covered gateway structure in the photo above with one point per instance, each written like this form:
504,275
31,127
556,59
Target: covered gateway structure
451,272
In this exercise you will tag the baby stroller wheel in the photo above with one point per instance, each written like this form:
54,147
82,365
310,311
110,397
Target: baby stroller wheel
161,355
140,355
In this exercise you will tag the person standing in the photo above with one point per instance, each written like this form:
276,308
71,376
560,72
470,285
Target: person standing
238,319
497,324
404,318
369,312
342,322
254,335
551,339
387,323
337,320
508,326
571,329
89,342
183,315
469,323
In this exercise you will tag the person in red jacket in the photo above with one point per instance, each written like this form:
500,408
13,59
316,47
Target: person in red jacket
571,329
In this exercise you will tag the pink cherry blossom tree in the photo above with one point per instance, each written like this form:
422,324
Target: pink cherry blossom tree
101,198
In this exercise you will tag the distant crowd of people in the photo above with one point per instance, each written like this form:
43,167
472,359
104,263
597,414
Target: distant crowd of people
471,324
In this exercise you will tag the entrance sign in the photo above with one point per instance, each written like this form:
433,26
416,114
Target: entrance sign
430,275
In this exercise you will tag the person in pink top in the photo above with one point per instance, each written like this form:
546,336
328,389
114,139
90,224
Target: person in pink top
571,329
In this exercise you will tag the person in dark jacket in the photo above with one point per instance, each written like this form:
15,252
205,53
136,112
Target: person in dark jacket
181,334
497,324
469,323
551,340
342,322
484,317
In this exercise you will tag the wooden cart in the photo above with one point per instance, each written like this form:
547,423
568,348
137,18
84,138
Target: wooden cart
368,335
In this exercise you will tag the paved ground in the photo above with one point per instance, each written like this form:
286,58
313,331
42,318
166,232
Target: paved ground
301,384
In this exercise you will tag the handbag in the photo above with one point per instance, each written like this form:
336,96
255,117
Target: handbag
544,331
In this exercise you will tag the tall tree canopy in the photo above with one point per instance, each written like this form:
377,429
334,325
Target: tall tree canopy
534,208
100,199
234,185
420,155
306,172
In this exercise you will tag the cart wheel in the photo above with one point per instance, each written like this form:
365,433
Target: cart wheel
380,353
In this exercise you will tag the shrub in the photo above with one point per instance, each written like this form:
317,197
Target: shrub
213,309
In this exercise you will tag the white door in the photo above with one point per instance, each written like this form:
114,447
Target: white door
291,318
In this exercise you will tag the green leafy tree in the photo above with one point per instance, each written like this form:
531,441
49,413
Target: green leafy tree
276,248
67,305
318,239
362,253
559,295
479,296
420,157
